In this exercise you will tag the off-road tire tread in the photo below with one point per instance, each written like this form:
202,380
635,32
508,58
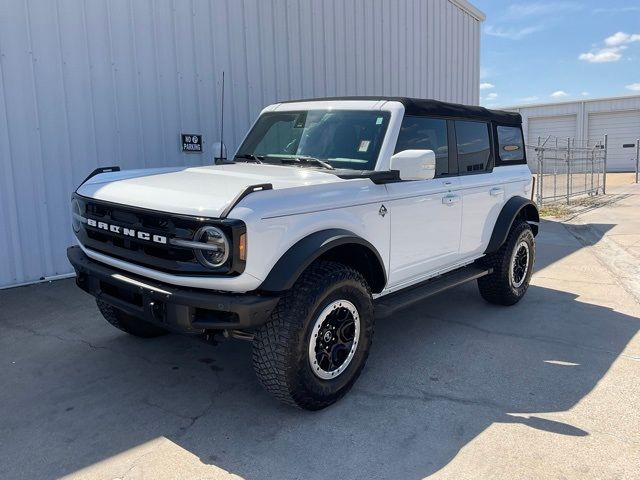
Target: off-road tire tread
495,287
127,323
273,340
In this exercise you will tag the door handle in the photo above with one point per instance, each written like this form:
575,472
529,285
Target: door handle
450,199
496,191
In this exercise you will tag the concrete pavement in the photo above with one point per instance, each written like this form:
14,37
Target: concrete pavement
454,388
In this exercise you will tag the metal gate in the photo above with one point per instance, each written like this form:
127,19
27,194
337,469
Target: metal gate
566,169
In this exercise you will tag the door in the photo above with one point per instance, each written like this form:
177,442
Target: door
550,130
620,127
561,127
425,215
482,192
482,201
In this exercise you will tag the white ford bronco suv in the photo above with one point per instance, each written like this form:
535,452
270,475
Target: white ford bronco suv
332,212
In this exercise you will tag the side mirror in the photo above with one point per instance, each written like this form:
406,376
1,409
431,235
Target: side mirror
414,164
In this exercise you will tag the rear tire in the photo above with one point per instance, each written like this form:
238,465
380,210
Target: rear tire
317,341
127,323
512,267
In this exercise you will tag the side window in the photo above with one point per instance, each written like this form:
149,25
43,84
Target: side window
424,133
474,146
510,144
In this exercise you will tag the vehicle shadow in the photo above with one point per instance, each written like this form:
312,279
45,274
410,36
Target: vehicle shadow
439,374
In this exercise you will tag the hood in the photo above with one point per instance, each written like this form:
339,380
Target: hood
202,191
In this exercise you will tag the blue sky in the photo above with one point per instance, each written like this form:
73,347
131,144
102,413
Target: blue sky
545,51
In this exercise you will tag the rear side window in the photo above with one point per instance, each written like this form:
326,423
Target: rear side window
424,133
510,144
474,146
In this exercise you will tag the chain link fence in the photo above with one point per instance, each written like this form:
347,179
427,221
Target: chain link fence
565,168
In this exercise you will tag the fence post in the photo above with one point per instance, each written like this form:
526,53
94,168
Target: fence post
584,161
555,172
637,157
593,160
604,167
540,172
568,169
600,154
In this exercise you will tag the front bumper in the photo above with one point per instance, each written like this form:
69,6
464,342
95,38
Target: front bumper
187,310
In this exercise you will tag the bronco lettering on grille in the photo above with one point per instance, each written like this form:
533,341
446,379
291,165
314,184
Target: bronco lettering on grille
129,232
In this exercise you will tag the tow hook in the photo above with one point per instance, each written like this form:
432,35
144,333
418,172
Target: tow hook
157,310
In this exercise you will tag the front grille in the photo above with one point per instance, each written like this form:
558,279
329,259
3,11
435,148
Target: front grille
159,256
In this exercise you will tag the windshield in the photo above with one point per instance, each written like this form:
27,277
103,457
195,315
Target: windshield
341,138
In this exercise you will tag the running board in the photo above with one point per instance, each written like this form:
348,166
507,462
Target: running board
391,303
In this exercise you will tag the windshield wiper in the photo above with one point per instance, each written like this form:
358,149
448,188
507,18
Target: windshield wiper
277,159
247,157
307,161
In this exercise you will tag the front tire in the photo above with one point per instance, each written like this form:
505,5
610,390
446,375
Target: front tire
317,341
127,323
512,267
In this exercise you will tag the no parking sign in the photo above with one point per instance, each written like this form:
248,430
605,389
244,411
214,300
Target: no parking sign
191,142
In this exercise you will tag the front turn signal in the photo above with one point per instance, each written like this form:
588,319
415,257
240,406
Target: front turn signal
242,247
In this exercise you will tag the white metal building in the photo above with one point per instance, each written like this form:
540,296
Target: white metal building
588,120
87,83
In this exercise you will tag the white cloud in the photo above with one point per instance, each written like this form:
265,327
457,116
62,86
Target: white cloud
612,51
511,33
634,87
559,94
602,55
489,99
486,86
585,94
620,38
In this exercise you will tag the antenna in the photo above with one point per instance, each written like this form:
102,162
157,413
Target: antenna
222,156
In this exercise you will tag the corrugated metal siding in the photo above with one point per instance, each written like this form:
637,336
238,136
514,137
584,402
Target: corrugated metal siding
621,128
88,83
561,126
620,123
547,130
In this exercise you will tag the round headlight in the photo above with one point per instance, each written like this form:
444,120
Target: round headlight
215,248
76,215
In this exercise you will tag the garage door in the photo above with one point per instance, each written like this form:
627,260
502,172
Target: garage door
621,127
560,126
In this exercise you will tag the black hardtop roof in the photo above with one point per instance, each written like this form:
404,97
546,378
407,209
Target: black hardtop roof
418,106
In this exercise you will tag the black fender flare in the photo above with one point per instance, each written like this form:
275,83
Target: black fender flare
514,208
304,252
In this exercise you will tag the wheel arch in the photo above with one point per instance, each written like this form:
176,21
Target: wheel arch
516,207
336,245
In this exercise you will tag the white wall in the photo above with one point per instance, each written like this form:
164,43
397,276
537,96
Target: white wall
87,83
618,117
